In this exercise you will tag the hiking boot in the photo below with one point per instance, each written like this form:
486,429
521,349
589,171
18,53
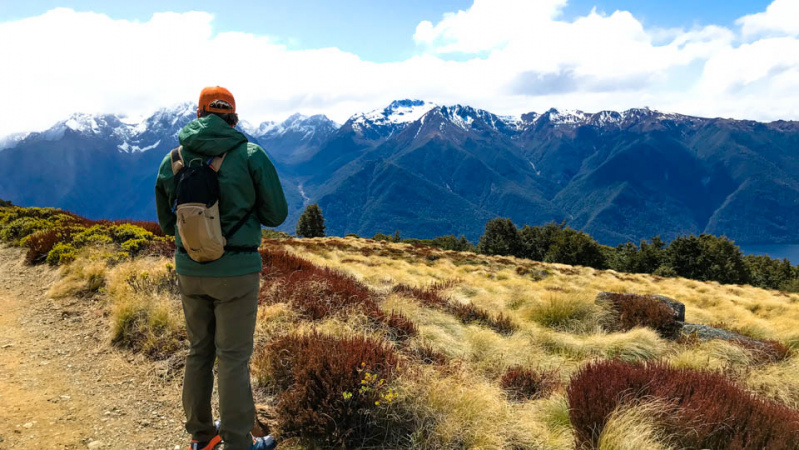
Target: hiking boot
263,443
208,445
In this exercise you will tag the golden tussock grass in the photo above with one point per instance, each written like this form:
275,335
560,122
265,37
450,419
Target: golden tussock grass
558,328
146,313
635,428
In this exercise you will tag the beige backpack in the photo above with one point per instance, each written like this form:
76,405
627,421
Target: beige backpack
197,206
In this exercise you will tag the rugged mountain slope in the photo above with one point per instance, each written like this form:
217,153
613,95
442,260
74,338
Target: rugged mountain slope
427,170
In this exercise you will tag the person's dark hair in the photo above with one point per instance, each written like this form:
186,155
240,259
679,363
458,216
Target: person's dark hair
231,118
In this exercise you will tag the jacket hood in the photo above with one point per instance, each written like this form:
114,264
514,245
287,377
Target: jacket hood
210,136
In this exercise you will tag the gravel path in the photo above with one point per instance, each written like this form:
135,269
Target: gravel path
62,386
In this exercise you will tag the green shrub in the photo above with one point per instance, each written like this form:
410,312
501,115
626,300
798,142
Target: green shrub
95,235
134,246
269,233
126,232
61,254
707,258
665,271
500,238
577,249
453,243
536,241
21,227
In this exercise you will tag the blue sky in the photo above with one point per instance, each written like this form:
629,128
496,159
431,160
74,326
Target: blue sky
731,58
375,30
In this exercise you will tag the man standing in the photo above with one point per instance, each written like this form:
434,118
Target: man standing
220,296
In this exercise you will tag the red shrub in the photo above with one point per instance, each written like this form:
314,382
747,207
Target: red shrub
644,311
766,351
709,410
466,313
41,242
161,247
427,355
331,389
427,296
401,327
527,384
318,292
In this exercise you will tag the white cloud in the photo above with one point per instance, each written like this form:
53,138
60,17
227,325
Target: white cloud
507,56
781,18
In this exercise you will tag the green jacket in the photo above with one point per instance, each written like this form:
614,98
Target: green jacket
247,179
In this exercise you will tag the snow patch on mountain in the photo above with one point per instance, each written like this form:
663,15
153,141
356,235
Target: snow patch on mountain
391,119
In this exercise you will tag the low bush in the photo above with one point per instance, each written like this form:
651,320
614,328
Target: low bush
41,242
269,233
17,229
707,410
332,392
645,311
61,254
526,384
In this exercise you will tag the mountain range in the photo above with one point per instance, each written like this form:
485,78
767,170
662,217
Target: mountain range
429,170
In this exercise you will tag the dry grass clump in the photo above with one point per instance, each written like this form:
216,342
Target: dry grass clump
569,313
153,328
639,344
776,381
714,355
705,409
333,392
460,409
146,314
84,278
636,427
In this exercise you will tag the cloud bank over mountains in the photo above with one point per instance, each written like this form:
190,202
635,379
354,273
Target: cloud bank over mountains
507,56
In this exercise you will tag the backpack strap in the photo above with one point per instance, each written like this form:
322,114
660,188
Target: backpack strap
177,159
216,163
239,224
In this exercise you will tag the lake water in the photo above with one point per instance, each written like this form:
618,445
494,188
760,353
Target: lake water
779,251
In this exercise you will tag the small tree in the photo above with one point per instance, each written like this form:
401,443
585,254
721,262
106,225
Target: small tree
4,203
500,238
311,223
536,241
575,248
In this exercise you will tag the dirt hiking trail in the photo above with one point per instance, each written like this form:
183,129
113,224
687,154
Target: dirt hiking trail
62,386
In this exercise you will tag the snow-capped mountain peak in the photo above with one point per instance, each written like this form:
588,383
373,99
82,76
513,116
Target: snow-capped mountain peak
565,117
398,112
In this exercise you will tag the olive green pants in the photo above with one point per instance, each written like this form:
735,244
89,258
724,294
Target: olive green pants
220,322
